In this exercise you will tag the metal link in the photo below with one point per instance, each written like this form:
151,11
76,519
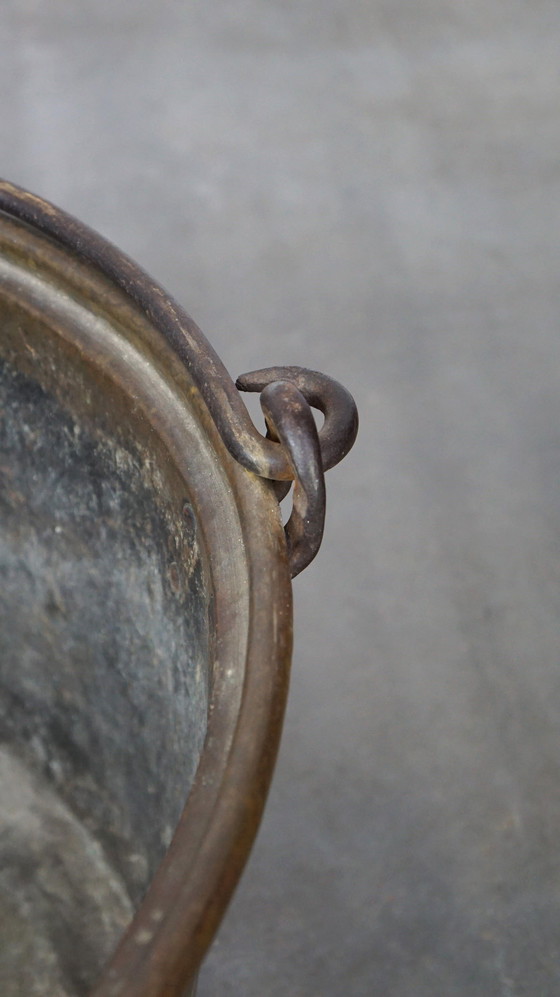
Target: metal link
290,420
340,428
286,399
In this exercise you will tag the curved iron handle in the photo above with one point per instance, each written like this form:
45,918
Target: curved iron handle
287,396
338,433
291,450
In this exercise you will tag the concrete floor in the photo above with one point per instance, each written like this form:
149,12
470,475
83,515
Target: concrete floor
371,188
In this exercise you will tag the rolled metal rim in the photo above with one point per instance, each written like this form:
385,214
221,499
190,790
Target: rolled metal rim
176,922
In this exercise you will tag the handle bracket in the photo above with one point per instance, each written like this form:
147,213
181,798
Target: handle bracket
287,396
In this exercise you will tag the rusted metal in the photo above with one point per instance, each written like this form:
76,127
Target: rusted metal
287,394
340,428
265,457
100,349
271,457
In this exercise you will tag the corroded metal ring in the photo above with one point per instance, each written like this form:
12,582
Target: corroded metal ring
338,433
265,457
287,394
291,421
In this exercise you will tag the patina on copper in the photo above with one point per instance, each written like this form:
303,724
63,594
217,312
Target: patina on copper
137,476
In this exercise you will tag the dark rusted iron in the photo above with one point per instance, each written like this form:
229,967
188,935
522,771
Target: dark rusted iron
253,451
339,430
114,468
287,394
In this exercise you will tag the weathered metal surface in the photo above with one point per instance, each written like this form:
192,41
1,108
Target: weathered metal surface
245,443
287,394
104,648
146,611
263,456
339,430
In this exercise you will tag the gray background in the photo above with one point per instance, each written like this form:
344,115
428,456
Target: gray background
370,188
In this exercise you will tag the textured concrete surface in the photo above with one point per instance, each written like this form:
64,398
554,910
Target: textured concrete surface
370,188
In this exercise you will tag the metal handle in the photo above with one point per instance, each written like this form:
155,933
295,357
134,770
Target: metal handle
287,394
